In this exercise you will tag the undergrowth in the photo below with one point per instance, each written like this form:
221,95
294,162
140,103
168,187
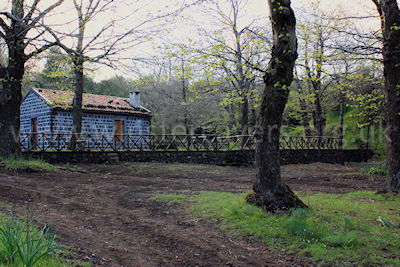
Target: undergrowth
338,229
379,169
22,164
22,244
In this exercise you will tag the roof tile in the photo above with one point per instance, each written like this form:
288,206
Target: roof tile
92,103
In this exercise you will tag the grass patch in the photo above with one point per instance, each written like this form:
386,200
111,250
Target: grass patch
338,229
21,164
22,244
170,198
174,167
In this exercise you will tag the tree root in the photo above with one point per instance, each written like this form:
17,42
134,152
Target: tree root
282,199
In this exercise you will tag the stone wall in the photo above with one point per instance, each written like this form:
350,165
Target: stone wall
34,107
100,123
232,158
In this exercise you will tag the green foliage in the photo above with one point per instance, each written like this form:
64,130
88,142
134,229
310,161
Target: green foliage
379,169
34,246
10,233
19,163
337,229
22,244
58,72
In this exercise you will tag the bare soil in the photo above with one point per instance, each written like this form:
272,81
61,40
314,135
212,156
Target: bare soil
105,214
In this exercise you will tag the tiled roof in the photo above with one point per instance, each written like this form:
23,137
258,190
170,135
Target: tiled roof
91,103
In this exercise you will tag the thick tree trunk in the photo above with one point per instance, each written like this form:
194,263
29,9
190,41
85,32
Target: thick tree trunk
77,103
390,17
14,35
10,102
270,192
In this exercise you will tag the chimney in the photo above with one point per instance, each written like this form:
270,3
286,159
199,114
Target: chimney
134,99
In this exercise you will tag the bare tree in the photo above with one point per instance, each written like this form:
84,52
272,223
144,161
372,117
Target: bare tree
390,23
237,51
270,192
104,46
24,35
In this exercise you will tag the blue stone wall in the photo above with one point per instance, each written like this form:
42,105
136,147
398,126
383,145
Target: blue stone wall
100,123
98,129
34,107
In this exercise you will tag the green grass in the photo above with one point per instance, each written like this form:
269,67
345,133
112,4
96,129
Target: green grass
170,198
174,167
22,244
21,164
338,229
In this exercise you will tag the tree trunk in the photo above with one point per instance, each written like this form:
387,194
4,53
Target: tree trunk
231,116
390,18
11,84
304,117
244,116
270,192
77,103
10,102
244,120
253,119
341,99
318,117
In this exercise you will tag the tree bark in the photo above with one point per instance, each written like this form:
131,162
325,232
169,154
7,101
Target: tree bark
304,117
318,117
244,116
11,79
14,35
341,126
390,22
10,102
77,103
270,192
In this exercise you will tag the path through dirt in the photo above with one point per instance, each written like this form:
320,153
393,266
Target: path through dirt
105,213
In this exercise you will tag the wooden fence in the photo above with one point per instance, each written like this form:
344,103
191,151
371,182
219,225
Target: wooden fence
167,142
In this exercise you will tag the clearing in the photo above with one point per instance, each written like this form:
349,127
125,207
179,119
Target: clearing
105,212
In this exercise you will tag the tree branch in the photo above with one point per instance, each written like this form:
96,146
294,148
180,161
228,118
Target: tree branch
10,16
44,13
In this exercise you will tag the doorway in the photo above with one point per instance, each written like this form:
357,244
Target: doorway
34,133
119,130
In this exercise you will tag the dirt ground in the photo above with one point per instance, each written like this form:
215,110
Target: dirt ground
105,213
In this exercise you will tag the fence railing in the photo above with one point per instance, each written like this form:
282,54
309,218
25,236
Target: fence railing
166,142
